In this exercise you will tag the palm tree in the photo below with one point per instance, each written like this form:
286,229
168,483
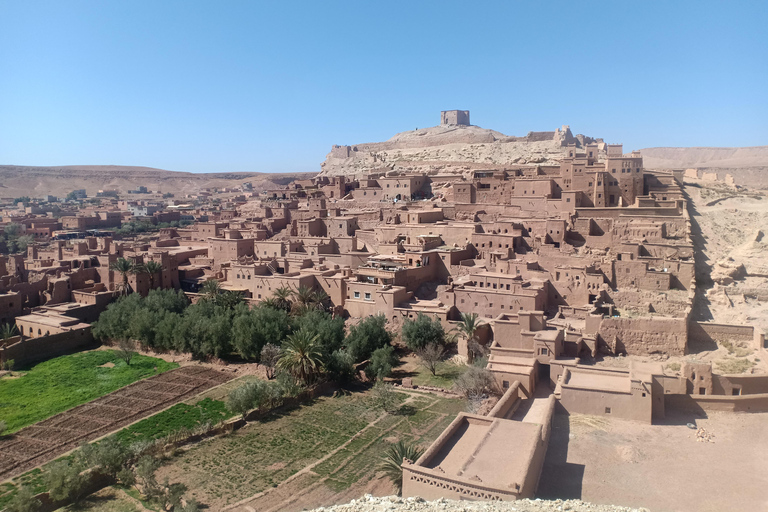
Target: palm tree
392,463
303,295
281,298
467,328
320,299
301,355
304,299
211,288
123,267
152,268
8,331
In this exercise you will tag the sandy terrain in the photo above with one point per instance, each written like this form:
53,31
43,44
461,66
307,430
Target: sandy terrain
17,181
662,468
727,229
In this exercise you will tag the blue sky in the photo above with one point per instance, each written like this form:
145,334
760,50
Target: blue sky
270,86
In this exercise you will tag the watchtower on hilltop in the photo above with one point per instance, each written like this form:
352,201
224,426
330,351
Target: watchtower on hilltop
454,117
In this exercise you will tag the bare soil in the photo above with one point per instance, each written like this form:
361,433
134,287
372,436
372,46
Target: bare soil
48,439
661,467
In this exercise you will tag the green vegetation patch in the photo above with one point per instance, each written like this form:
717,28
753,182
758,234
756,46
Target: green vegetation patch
287,441
64,382
446,373
180,416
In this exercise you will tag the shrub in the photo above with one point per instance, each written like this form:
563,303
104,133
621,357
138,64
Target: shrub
340,367
385,397
269,356
23,501
108,457
382,361
126,350
422,331
474,382
65,481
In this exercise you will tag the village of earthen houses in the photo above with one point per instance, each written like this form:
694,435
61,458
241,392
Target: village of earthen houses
453,313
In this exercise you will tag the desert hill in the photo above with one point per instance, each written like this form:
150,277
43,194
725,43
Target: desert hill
448,149
16,181
747,165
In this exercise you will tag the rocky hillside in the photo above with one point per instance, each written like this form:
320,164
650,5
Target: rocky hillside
16,181
394,504
448,150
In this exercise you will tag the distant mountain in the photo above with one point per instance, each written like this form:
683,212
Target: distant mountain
16,181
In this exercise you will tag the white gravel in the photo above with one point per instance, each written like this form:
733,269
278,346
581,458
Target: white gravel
369,503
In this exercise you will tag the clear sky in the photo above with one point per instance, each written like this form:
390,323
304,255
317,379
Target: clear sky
228,85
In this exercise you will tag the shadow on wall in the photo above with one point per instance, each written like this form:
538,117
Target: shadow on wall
703,269
560,479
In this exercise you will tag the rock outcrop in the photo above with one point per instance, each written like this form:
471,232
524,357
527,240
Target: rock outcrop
449,149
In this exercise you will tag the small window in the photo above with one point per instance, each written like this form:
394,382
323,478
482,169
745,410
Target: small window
357,295
505,384
367,296
607,410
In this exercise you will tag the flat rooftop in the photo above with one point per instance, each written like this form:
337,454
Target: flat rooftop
493,452
618,383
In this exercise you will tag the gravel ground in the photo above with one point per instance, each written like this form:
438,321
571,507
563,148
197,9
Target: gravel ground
369,503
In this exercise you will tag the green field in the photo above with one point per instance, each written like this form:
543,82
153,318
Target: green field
266,453
177,418
59,384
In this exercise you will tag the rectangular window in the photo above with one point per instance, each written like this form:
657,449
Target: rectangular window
367,296
357,295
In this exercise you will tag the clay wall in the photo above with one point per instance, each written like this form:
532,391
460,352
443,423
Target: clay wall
714,403
508,403
372,299
707,332
11,306
626,403
645,335
30,350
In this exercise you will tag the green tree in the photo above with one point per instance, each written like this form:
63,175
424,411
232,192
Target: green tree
259,326
302,356
422,331
392,462
367,336
329,330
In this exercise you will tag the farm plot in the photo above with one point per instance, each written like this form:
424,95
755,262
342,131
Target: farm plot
308,456
43,441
